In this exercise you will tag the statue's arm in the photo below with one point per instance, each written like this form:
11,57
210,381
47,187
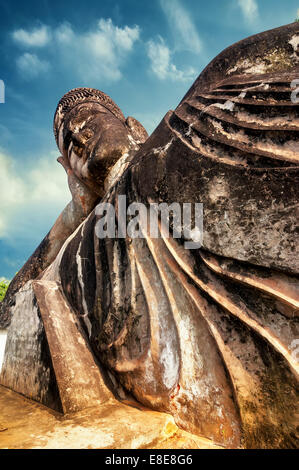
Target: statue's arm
82,203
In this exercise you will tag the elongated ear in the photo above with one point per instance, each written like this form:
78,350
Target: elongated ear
137,130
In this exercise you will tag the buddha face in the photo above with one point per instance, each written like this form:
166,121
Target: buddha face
91,140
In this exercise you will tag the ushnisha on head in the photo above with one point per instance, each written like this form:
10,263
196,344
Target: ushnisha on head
92,134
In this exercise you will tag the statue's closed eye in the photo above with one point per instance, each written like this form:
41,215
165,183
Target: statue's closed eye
82,137
79,140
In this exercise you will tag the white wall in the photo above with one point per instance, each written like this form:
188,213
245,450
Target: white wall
3,336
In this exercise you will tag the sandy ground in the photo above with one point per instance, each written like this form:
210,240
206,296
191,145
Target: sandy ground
25,424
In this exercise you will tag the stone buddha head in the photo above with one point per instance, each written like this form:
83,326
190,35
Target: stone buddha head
92,134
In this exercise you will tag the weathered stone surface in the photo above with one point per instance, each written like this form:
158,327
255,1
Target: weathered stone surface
182,334
205,335
47,356
79,378
232,144
27,364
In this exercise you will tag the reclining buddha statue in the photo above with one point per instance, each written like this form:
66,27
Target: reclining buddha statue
208,334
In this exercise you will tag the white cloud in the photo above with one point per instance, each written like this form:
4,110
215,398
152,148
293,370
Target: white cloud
30,66
184,28
249,9
122,38
106,49
160,57
64,34
31,195
97,53
36,37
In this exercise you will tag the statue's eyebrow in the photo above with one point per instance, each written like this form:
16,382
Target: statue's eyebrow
89,118
83,124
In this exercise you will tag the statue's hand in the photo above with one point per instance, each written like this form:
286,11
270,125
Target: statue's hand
64,163
82,196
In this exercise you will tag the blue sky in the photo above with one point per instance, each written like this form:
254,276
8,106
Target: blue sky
145,55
